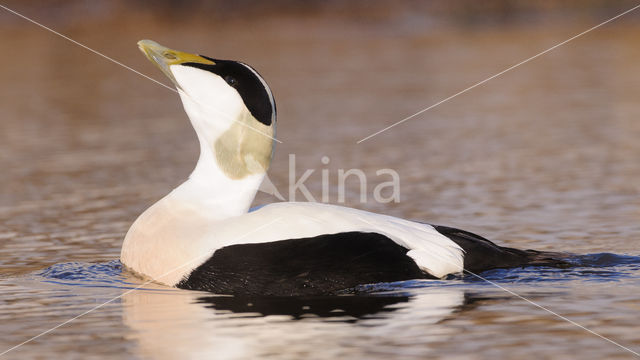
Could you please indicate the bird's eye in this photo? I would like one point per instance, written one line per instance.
(230, 80)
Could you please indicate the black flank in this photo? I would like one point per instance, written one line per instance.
(330, 264)
(324, 264)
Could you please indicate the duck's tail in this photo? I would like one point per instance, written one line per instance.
(482, 254)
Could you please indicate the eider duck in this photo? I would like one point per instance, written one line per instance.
(203, 236)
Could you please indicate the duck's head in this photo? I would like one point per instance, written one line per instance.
(229, 104)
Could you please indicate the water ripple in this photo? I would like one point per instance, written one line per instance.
(108, 274)
(588, 267)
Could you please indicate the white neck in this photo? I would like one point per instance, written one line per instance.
(217, 195)
(209, 189)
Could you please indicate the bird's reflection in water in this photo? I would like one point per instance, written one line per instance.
(352, 307)
(169, 324)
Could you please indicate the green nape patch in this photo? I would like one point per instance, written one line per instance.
(245, 149)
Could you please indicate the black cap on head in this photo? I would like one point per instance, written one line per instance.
(248, 83)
